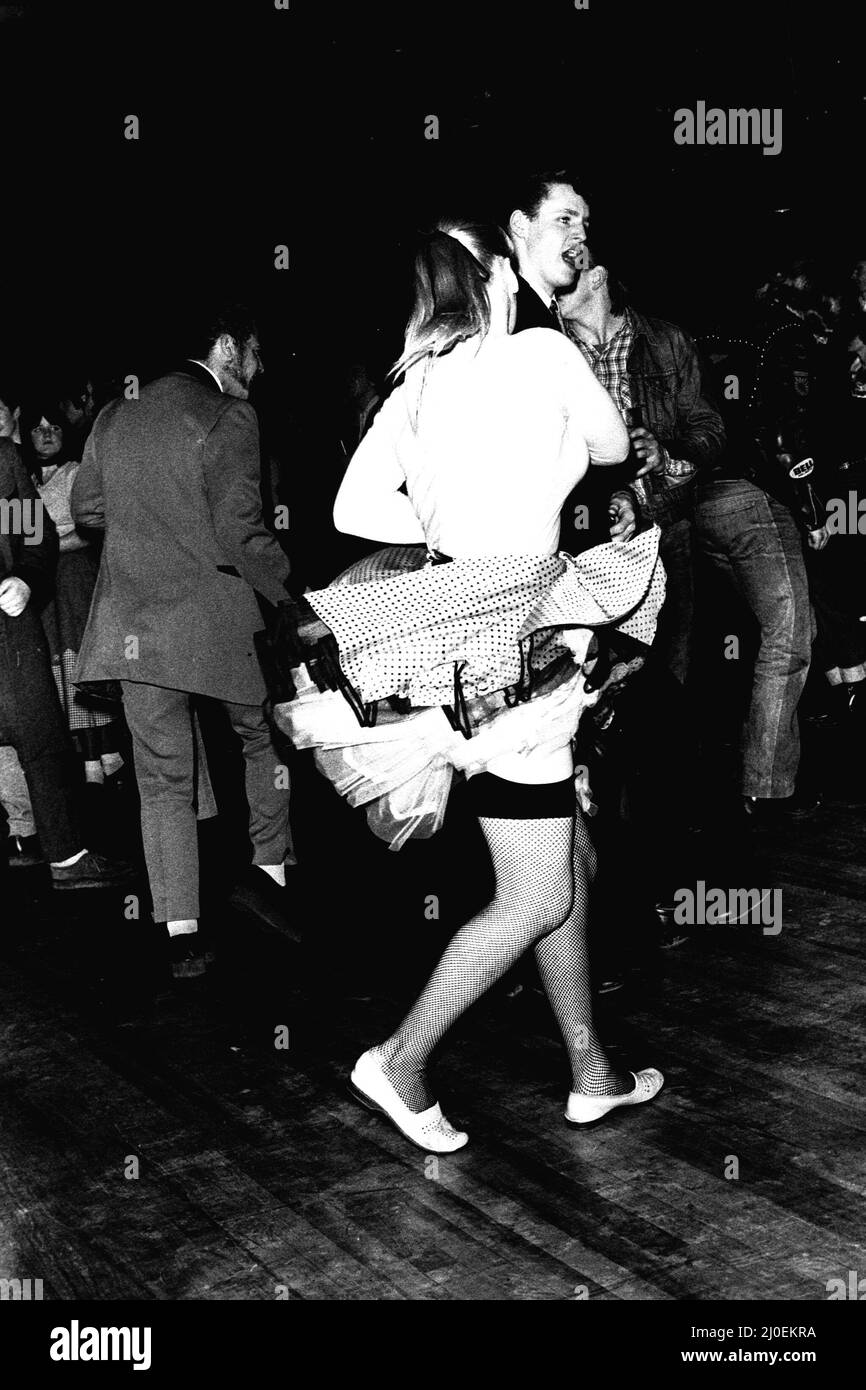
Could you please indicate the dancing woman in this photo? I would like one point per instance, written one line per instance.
(489, 433)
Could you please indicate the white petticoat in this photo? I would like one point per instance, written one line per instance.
(403, 771)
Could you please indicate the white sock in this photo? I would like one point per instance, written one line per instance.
(65, 863)
(183, 926)
(111, 763)
(276, 871)
(93, 771)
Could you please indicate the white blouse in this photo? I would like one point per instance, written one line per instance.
(501, 437)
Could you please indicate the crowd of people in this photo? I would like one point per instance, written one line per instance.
(542, 475)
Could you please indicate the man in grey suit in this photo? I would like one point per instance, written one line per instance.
(174, 480)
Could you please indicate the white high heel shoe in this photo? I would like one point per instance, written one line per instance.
(430, 1130)
(585, 1110)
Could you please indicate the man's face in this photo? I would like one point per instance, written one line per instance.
(7, 421)
(552, 239)
(243, 368)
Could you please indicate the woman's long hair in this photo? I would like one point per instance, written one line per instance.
(452, 268)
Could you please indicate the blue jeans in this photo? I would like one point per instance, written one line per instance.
(755, 542)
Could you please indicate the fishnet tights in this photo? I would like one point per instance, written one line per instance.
(543, 872)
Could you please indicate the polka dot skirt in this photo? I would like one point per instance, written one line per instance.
(403, 633)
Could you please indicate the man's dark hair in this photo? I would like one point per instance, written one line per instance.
(209, 324)
(531, 192)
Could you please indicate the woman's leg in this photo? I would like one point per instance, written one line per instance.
(532, 860)
(563, 965)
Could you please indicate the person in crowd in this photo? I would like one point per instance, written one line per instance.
(549, 224)
(652, 365)
(31, 720)
(10, 416)
(472, 455)
(22, 843)
(77, 403)
(837, 573)
(96, 734)
(173, 479)
(753, 518)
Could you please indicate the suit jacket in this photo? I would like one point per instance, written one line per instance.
(174, 480)
(532, 312)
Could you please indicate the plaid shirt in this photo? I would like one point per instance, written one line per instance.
(609, 364)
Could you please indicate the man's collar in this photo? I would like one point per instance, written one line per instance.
(203, 367)
(628, 325)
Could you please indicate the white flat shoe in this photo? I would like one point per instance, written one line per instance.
(585, 1110)
(430, 1130)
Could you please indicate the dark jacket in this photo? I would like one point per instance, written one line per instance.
(31, 558)
(174, 479)
(532, 312)
(768, 380)
(666, 381)
(29, 709)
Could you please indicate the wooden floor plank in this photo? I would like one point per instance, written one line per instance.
(260, 1178)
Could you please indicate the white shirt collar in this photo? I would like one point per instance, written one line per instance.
(207, 369)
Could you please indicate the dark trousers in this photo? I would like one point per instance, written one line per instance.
(32, 722)
(164, 750)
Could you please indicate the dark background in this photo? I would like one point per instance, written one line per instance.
(261, 127)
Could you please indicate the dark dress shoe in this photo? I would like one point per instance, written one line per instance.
(24, 851)
(189, 955)
(776, 811)
(258, 894)
(92, 871)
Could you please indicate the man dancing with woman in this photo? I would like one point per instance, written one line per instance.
(475, 661)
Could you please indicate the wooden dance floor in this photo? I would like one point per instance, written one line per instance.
(159, 1144)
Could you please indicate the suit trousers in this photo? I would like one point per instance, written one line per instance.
(14, 796)
(164, 751)
(32, 722)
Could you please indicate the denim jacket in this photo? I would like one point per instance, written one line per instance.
(666, 381)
